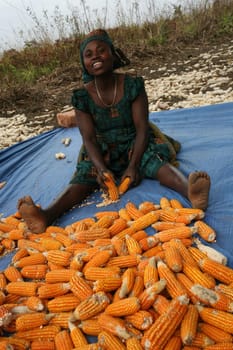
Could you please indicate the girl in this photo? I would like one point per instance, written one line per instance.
(111, 111)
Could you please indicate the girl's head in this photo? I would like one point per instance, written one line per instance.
(117, 56)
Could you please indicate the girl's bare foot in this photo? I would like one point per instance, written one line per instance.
(34, 216)
(198, 189)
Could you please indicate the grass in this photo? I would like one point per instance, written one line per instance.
(196, 21)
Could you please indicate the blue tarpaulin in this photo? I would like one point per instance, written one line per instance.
(206, 135)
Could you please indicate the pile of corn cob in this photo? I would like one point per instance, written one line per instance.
(106, 277)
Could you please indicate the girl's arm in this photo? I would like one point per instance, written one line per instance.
(140, 117)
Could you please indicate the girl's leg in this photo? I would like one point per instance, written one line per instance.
(195, 188)
(38, 219)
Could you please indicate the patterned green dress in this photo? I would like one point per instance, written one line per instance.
(116, 134)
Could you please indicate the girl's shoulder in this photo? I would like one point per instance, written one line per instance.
(133, 85)
(80, 99)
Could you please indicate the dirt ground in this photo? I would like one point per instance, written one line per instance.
(52, 93)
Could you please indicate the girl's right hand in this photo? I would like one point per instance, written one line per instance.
(67, 119)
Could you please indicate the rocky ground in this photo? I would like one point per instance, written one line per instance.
(175, 78)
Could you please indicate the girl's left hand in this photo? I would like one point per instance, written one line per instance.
(133, 173)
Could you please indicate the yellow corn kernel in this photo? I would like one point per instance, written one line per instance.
(107, 285)
(59, 257)
(32, 320)
(218, 318)
(97, 273)
(118, 225)
(34, 259)
(34, 303)
(77, 336)
(197, 276)
(137, 287)
(123, 213)
(123, 261)
(90, 326)
(144, 221)
(147, 206)
(99, 259)
(46, 332)
(61, 275)
(174, 343)
(160, 304)
(12, 274)
(92, 234)
(42, 344)
(173, 258)
(215, 333)
(124, 185)
(178, 232)
(164, 203)
(220, 272)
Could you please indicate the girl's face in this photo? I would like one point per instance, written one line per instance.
(98, 58)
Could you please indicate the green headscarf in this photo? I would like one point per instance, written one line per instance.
(120, 60)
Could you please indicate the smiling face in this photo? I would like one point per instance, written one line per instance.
(98, 58)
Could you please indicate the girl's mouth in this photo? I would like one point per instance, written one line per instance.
(97, 65)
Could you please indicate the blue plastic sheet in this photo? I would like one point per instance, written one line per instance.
(206, 135)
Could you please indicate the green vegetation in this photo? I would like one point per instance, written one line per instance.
(200, 21)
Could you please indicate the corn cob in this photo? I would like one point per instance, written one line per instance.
(63, 303)
(160, 304)
(80, 287)
(30, 244)
(120, 246)
(128, 278)
(139, 235)
(49, 243)
(107, 285)
(34, 259)
(202, 340)
(211, 253)
(174, 343)
(196, 254)
(42, 344)
(111, 187)
(113, 325)
(32, 320)
(93, 346)
(223, 288)
(124, 185)
(123, 214)
(217, 318)
(144, 221)
(184, 252)
(5, 345)
(8, 244)
(20, 253)
(5, 227)
(5, 316)
(173, 286)
(197, 276)
(53, 290)
(34, 303)
(187, 283)
(165, 326)
(155, 251)
(132, 245)
(188, 327)
(61, 319)
(124, 307)
(220, 272)
(147, 206)
(199, 213)
(133, 344)
(97, 273)
(15, 234)
(205, 231)
(138, 287)
(220, 346)
(118, 225)
(179, 232)
(58, 257)
(90, 326)
(127, 231)
(110, 341)
(148, 242)
(36, 272)
(186, 347)
(133, 211)
(148, 296)
(141, 319)
(99, 259)
(91, 234)
(213, 298)
(166, 225)
(110, 213)
(215, 333)
(22, 288)
(47, 332)
(164, 203)
(61, 275)
(12, 274)
(150, 273)
(2, 297)
(173, 259)
(63, 340)
(91, 306)
(123, 261)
